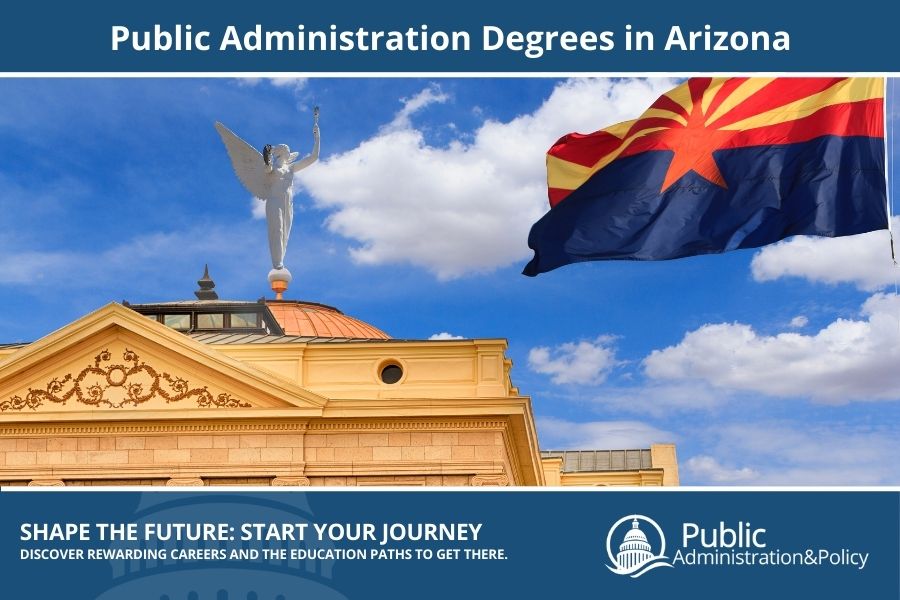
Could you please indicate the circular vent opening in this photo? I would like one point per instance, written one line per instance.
(391, 373)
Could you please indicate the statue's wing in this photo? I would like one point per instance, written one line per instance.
(247, 162)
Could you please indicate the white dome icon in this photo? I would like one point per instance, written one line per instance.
(634, 549)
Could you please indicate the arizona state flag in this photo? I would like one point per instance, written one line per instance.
(718, 164)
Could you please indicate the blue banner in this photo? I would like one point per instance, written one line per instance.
(448, 544)
(408, 37)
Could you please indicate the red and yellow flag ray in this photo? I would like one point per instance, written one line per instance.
(705, 115)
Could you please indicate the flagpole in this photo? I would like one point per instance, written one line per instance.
(887, 187)
(887, 172)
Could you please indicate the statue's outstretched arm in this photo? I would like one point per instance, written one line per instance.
(311, 157)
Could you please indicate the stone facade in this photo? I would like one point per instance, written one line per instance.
(116, 398)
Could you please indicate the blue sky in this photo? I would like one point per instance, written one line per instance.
(773, 366)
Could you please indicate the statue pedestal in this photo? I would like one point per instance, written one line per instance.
(279, 279)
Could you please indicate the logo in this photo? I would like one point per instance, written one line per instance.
(635, 556)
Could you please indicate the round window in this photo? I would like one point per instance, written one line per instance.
(391, 373)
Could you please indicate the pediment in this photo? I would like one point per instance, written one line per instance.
(115, 360)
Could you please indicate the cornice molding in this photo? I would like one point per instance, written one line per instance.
(286, 471)
(147, 471)
(256, 425)
(76, 429)
(413, 424)
(402, 468)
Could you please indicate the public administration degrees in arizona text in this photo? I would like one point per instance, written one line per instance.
(531, 44)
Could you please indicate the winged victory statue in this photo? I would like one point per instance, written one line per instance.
(269, 175)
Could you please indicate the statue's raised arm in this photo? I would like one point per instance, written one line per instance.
(314, 155)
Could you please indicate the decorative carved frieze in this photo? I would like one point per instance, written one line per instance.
(46, 483)
(290, 481)
(489, 480)
(115, 385)
(185, 482)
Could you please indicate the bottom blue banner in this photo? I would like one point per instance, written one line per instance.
(235, 545)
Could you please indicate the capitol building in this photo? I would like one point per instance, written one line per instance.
(279, 392)
(634, 549)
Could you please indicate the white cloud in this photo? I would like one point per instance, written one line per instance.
(847, 360)
(294, 83)
(444, 335)
(466, 207)
(559, 434)
(660, 399)
(584, 362)
(258, 208)
(789, 453)
(709, 470)
(31, 266)
(799, 322)
(142, 262)
(863, 260)
(430, 95)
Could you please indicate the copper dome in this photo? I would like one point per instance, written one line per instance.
(319, 320)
